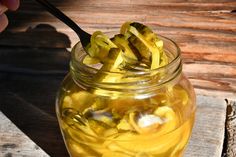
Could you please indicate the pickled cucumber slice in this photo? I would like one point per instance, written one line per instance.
(181, 94)
(113, 60)
(124, 45)
(100, 45)
(113, 63)
(148, 41)
(82, 100)
(90, 60)
(124, 125)
(137, 41)
(142, 49)
(67, 102)
(170, 119)
(125, 28)
(100, 104)
(99, 127)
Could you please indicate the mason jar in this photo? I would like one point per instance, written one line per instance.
(147, 114)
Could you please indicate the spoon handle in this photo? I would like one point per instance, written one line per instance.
(84, 36)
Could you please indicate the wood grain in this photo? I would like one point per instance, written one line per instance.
(34, 56)
(230, 129)
(208, 133)
(28, 100)
(13, 142)
(204, 30)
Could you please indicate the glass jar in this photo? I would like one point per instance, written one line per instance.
(133, 114)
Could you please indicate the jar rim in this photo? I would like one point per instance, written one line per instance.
(78, 64)
(137, 81)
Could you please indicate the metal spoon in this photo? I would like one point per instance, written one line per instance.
(84, 36)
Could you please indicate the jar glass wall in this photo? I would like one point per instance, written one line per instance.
(132, 114)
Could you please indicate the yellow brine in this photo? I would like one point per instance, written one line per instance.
(126, 97)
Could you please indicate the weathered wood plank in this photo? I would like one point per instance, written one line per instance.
(171, 5)
(215, 93)
(231, 129)
(30, 104)
(208, 133)
(213, 69)
(172, 19)
(154, 12)
(205, 31)
(220, 84)
(15, 143)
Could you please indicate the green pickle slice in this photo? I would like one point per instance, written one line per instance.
(137, 44)
(125, 46)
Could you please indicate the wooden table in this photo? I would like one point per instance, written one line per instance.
(34, 52)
